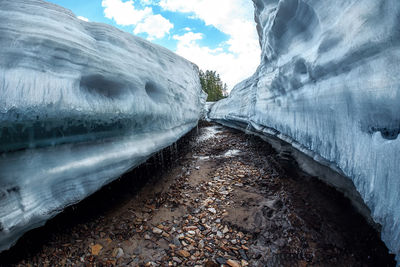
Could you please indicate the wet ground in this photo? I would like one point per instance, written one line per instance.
(222, 198)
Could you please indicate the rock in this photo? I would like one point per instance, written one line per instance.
(212, 210)
(183, 253)
(177, 260)
(225, 230)
(243, 254)
(118, 253)
(96, 249)
(147, 237)
(157, 231)
(176, 242)
(233, 263)
(164, 234)
(244, 263)
(181, 236)
(210, 264)
(220, 260)
(201, 244)
(190, 228)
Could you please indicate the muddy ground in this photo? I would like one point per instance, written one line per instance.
(222, 198)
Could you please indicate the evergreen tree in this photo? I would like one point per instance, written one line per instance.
(211, 83)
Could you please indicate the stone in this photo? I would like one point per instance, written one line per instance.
(201, 244)
(176, 242)
(177, 260)
(233, 263)
(183, 253)
(181, 236)
(211, 264)
(220, 260)
(95, 249)
(212, 210)
(118, 253)
(157, 231)
(243, 254)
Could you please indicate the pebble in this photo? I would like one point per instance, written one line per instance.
(176, 242)
(225, 230)
(157, 231)
(184, 253)
(219, 234)
(201, 244)
(244, 263)
(243, 254)
(233, 263)
(191, 232)
(212, 210)
(211, 264)
(220, 260)
(96, 249)
(181, 236)
(177, 260)
(118, 253)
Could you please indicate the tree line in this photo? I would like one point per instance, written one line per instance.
(212, 85)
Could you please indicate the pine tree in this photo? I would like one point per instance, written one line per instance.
(211, 83)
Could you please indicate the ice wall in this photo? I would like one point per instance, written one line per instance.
(80, 104)
(329, 84)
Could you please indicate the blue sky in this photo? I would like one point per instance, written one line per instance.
(215, 34)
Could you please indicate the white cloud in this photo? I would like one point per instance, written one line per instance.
(126, 14)
(83, 18)
(156, 26)
(188, 38)
(232, 17)
(232, 68)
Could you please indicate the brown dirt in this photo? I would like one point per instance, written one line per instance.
(208, 208)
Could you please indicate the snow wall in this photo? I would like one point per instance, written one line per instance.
(329, 84)
(80, 104)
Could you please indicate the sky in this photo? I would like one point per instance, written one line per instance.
(216, 35)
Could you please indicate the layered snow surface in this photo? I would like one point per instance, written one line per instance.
(80, 104)
(329, 84)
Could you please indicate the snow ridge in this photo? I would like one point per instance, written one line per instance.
(328, 83)
(80, 104)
